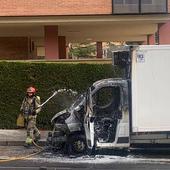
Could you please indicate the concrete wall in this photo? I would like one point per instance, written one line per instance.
(54, 7)
(14, 48)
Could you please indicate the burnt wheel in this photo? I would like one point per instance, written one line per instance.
(77, 144)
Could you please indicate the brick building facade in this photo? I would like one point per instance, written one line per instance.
(36, 29)
(54, 7)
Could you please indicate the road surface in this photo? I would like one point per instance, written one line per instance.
(50, 161)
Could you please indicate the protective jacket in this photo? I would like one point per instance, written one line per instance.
(30, 106)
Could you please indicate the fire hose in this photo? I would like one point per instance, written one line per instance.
(41, 149)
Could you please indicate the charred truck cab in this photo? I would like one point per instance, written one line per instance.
(121, 113)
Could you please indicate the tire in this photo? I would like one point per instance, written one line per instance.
(77, 144)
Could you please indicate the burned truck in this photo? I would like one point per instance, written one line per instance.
(121, 113)
(73, 128)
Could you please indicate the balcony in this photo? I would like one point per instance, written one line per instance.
(140, 6)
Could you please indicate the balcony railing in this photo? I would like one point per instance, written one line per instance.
(140, 6)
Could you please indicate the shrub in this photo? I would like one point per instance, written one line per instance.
(15, 77)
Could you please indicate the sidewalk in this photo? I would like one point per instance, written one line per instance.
(17, 137)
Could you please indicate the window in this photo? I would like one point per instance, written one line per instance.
(118, 1)
(131, 2)
(125, 6)
(106, 97)
(153, 6)
(146, 1)
(126, 2)
(139, 6)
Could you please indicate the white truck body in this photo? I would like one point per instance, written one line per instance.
(151, 89)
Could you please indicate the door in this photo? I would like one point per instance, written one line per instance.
(106, 107)
(89, 120)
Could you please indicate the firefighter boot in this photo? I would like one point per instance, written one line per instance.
(28, 142)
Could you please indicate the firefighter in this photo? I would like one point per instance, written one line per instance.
(30, 108)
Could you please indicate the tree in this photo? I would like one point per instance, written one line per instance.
(82, 50)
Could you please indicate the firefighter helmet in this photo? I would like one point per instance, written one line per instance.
(31, 90)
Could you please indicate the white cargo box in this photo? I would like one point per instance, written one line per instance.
(151, 89)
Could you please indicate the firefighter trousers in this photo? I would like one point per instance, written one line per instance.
(32, 131)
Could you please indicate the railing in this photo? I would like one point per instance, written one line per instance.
(140, 6)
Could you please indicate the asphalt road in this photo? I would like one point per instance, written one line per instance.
(30, 165)
(50, 161)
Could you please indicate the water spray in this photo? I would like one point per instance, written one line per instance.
(74, 93)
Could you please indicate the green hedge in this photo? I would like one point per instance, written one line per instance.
(15, 77)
